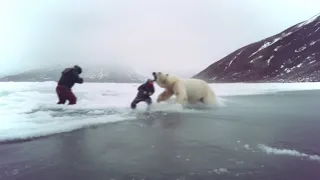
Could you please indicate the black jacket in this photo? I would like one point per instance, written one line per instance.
(69, 77)
(146, 87)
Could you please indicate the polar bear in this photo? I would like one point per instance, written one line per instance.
(187, 91)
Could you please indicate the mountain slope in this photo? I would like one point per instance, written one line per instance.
(290, 56)
(95, 73)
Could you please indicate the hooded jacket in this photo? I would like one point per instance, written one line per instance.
(146, 87)
(69, 77)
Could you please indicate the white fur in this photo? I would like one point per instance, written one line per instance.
(189, 91)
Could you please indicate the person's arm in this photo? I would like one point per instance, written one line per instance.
(151, 91)
(77, 79)
(80, 80)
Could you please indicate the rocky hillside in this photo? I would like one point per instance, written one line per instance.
(290, 56)
(110, 74)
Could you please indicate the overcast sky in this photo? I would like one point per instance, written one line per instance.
(162, 35)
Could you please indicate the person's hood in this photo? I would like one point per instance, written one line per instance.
(77, 69)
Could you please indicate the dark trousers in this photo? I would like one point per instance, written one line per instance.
(64, 94)
(138, 99)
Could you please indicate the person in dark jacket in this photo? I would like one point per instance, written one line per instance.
(144, 92)
(69, 77)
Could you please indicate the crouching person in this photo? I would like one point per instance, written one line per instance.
(144, 92)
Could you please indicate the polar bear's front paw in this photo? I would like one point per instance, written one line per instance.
(164, 96)
(160, 98)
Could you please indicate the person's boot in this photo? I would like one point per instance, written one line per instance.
(133, 106)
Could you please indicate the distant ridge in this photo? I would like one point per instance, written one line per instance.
(293, 55)
(93, 73)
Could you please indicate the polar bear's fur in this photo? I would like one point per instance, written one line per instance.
(187, 91)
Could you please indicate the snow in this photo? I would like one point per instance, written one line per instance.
(309, 20)
(213, 78)
(290, 69)
(267, 44)
(299, 65)
(29, 109)
(235, 57)
(285, 34)
(312, 61)
(301, 49)
(277, 48)
(255, 59)
(314, 42)
(268, 61)
(312, 19)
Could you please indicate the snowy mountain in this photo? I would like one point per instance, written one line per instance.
(95, 73)
(290, 56)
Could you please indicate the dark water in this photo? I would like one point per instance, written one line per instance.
(228, 143)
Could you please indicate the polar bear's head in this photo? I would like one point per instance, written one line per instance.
(164, 80)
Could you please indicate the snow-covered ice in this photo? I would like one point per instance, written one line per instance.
(29, 109)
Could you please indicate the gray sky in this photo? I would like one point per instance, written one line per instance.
(179, 36)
